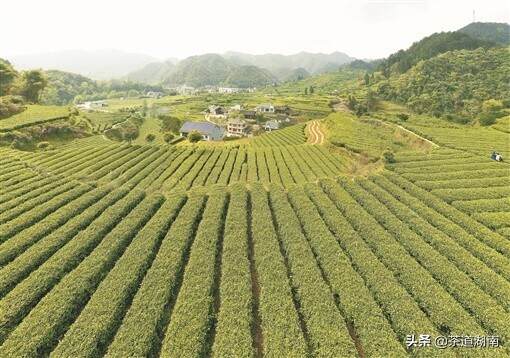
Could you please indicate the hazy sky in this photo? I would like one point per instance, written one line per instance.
(165, 28)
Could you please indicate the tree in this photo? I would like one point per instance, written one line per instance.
(311, 89)
(371, 101)
(367, 79)
(168, 137)
(7, 76)
(150, 138)
(31, 84)
(306, 91)
(388, 156)
(194, 137)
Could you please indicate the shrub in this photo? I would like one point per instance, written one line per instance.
(388, 156)
(487, 119)
(150, 137)
(403, 116)
(168, 137)
(194, 137)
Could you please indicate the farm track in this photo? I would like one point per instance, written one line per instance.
(316, 136)
(251, 251)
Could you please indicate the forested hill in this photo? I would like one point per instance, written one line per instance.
(214, 70)
(429, 47)
(455, 83)
(249, 76)
(488, 31)
(153, 73)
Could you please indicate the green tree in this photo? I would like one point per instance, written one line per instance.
(311, 89)
(306, 91)
(7, 76)
(367, 79)
(168, 137)
(194, 137)
(150, 138)
(31, 84)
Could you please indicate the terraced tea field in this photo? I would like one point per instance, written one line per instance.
(260, 249)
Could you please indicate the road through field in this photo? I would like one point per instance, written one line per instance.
(315, 134)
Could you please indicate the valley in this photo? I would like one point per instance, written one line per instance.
(344, 214)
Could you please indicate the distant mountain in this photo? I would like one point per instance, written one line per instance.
(488, 31)
(311, 62)
(152, 73)
(290, 75)
(429, 47)
(249, 76)
(197, 71)
(215, 70)
(101, 65)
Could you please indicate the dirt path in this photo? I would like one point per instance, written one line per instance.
(315, 134)
(419, 136)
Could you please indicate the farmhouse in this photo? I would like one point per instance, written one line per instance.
(265, 108)
(154, 94)
(215, 112)
(236, 127)
(271, 125)
(208, 130)
(249, 114)
(282, 110)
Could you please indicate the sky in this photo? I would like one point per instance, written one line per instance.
(366, 29)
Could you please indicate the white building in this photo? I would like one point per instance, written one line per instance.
(228, 90)
(236, 127)
(265, 108)
(92, 105)
(236, 107)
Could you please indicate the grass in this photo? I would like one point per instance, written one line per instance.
(32, 115)
(152, 126)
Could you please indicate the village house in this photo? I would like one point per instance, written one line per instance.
(154, 94)
(215, 112)
(249, 114)
(92, 105)
(236, 127)
(185, 90)
(236, 107)
(208, 130)
(228, 90)
(271, 125)
(265, 108)
(282, 110)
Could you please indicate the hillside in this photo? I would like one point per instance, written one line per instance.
(297, 74)
(311, 62)
(152, 73)
(488, 31)
(456, 82)
(109, 249)
(429, 47)
(197, 71)
(249, 76)
(63, 87)
(215, 70)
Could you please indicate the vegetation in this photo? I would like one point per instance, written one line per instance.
(488, 31)
(429, 47)
(455, 83)
(394, 223)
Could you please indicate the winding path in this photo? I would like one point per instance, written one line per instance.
(315, 135)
